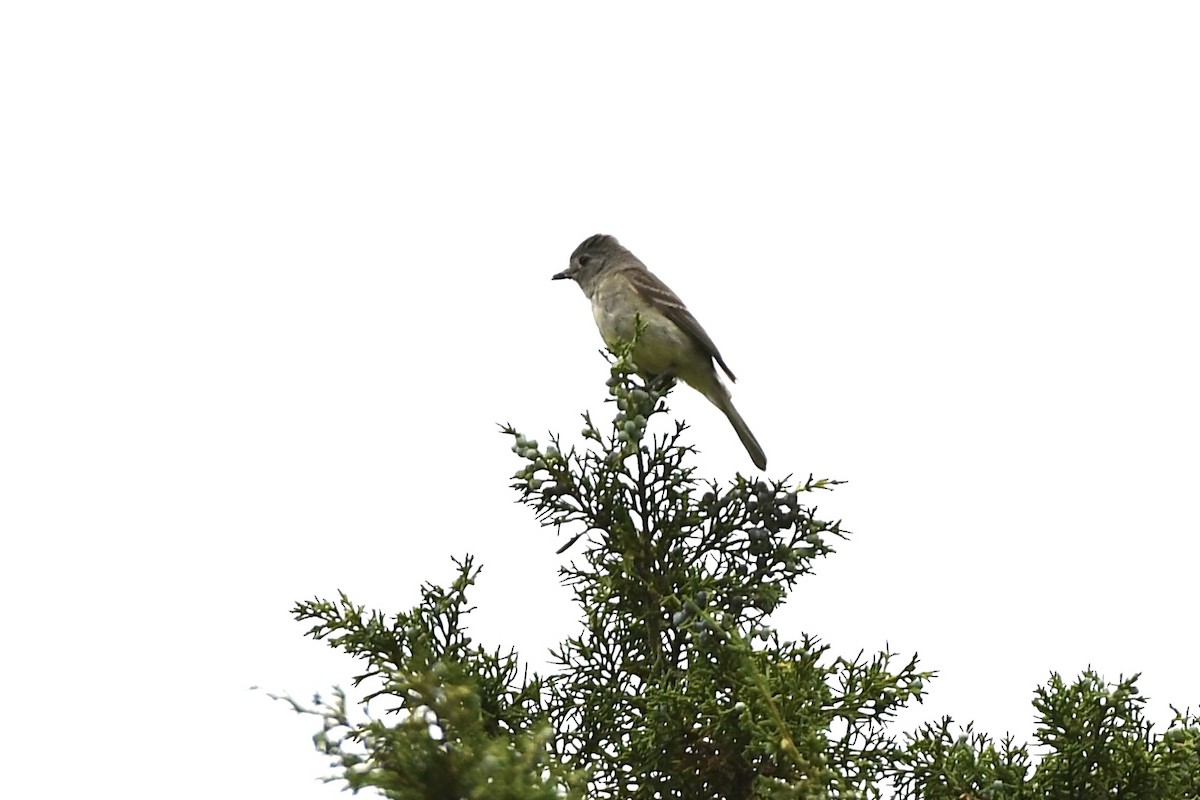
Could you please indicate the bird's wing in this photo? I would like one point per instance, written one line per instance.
(656, 293)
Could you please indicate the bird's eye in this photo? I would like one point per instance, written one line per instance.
(584, 260)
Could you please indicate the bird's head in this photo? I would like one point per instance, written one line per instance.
(590, 258)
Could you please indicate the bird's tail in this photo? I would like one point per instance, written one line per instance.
(743, 431)
(709, 385)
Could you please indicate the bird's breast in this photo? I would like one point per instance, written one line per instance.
(661, 346)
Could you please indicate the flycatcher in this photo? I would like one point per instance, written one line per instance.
(672, 345)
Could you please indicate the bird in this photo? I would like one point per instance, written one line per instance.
(672, 345)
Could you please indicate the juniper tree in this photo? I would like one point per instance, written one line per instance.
(1095, 743)
(676, 685)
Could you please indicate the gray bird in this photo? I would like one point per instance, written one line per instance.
(672, 344)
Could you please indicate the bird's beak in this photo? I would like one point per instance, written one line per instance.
(566, 273)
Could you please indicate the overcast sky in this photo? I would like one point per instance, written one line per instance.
(273, 272)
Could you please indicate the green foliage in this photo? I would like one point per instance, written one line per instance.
(1175, 757)
(1095, 740)
(462, 722)
(676, 684)
(942, 765)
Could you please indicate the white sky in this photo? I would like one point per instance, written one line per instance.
(273, 272)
